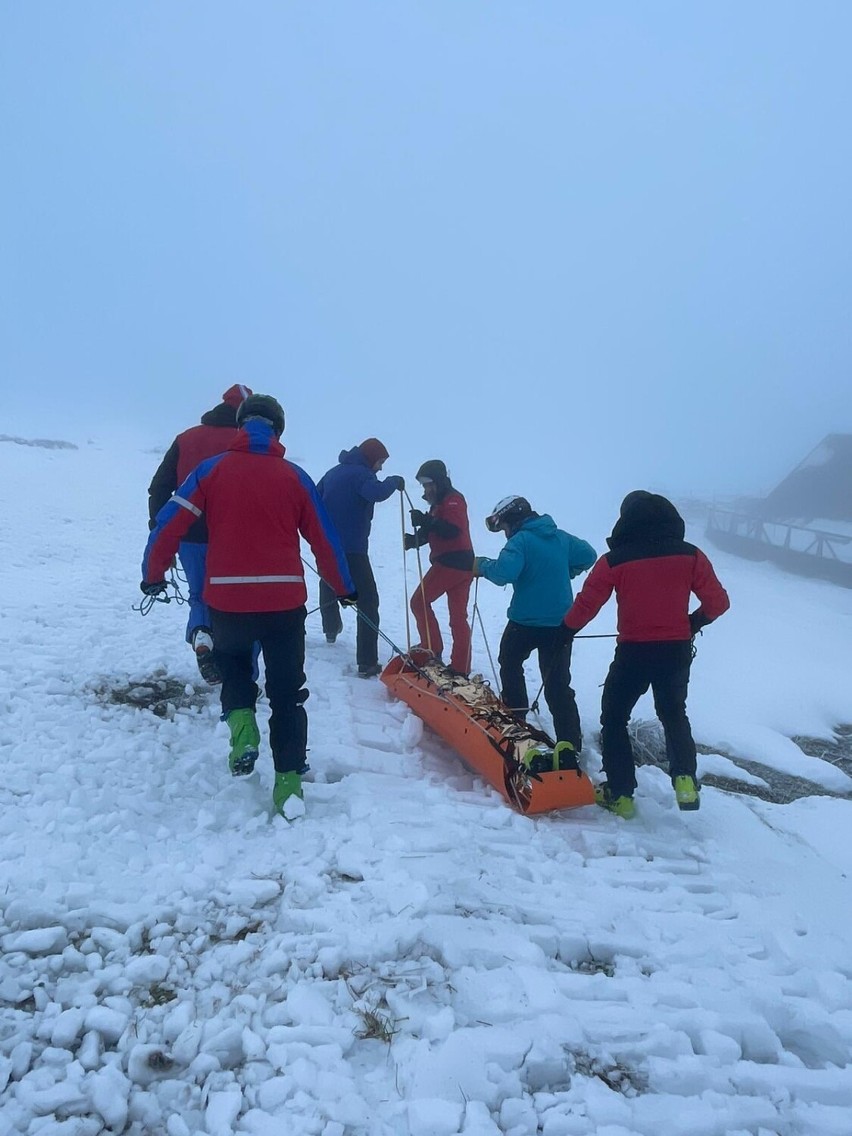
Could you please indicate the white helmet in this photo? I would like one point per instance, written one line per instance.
(510, 511)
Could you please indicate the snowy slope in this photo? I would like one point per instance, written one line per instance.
(176, 961)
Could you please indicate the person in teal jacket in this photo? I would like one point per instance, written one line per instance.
(539, 561)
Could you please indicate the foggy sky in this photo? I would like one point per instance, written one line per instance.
(601, 245)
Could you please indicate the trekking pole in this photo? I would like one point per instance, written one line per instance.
(404, 571)
(478, 615)
(421, 586)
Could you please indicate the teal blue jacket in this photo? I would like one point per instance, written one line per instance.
(539, 561)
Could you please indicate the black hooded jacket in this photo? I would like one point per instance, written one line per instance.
(653, 572)
(217, 430)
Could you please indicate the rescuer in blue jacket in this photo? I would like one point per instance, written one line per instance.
(349, 492)
(539, 560)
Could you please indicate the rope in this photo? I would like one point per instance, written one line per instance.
(404, 570)
(478, 615)
(422, 589)
(176, 579)
(147, 602)
(360, 614)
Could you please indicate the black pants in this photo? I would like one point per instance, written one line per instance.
(367, 638)
(281, 635)
(554, 662)
(664, 667)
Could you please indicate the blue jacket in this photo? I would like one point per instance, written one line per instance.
(349, 491)
(539, 561)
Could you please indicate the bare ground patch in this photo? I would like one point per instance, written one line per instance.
(159, 693)
(649, 748)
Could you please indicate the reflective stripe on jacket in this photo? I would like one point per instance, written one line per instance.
(256, 506)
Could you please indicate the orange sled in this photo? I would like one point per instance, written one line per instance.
(472, 719)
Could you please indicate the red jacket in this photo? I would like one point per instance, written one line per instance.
(217, 430)
(449, 539)
(652, 593)
(256, 505)
(653, 571)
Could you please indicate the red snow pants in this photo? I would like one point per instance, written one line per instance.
(455, 585)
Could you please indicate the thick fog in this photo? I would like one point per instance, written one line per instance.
(556, 244)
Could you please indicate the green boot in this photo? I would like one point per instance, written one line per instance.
(245, 742)
(537, 760)
(622, 806)
(286, 787)
(686, 793)
(565, 756)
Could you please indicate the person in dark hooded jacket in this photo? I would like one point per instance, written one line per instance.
(653, 572)
(349, 492)
(213, 436)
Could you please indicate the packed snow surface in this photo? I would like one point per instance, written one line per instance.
(411, 956)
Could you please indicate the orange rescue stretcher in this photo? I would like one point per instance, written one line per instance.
(468, 715)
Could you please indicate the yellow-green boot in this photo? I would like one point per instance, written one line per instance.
(622, 806)
(286, 791)
(245, 742)
(686, 793)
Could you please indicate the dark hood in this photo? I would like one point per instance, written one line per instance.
(221, 415)
(646, 517)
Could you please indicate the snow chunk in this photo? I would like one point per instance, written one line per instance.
(185, 1048)
(253, 893)
(226, 1045)
(38, 941)
(308, 1007)
(294, 807)
(432, 1116)
(66, 1027)
(147, 969)
(222, 1111)
(25, 915)
(148, 1063)
(47, 1099)
(109, 1090)
(411, 733)
(110, 1024)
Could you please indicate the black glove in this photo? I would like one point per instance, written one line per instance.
(418, 518)
(153, 589)
(566, 634)
(697, 620)
(348, 601)
(409, 541)
(400, 482)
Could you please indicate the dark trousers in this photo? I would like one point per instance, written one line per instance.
(281, 635)
(664, 667)
(367, 637)
(554, 662)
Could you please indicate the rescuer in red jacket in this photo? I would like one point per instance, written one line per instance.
(257, 505)
(653, 572)
(446, 530)
(217, 430)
